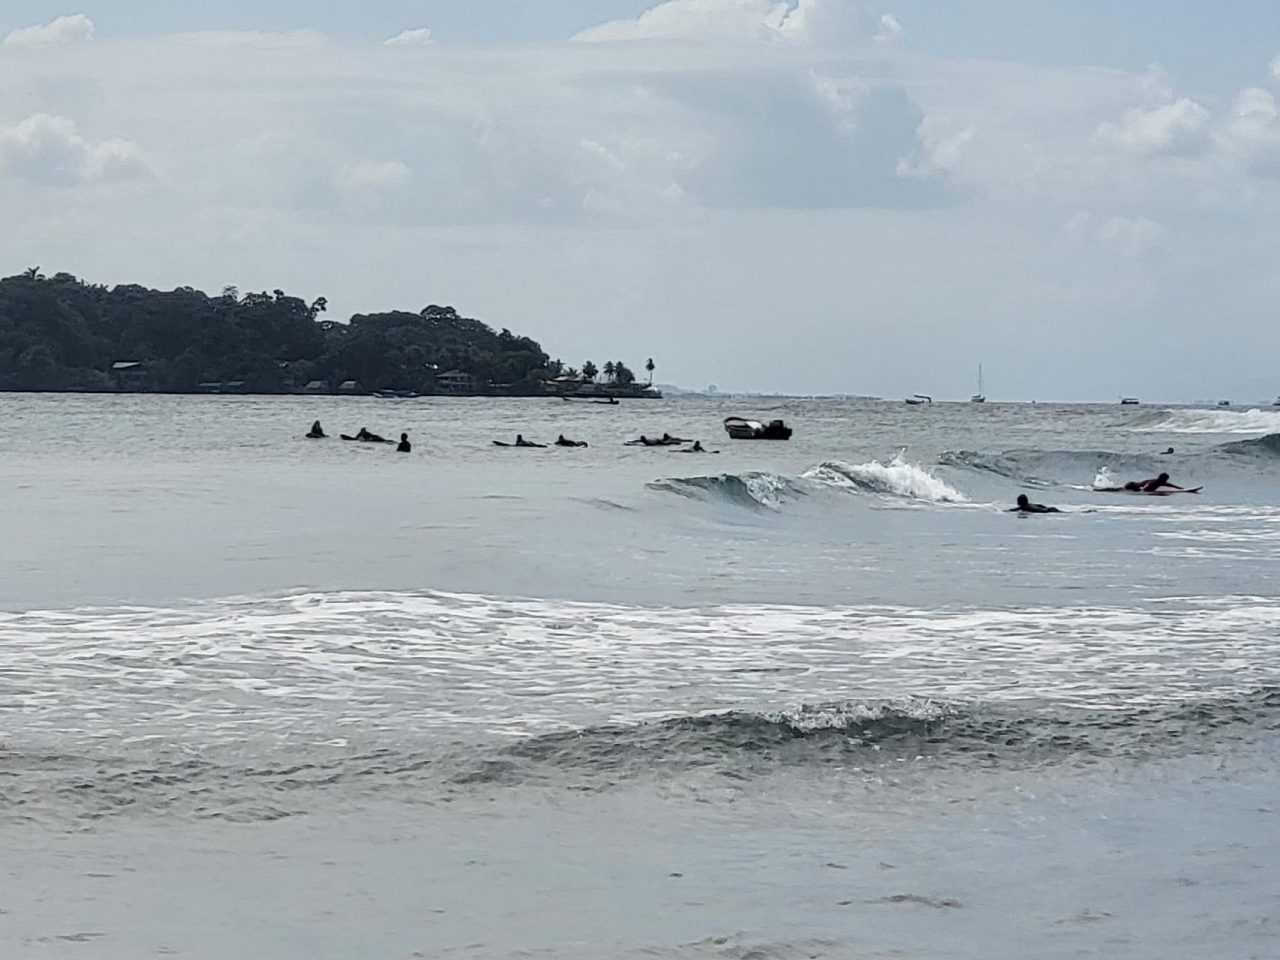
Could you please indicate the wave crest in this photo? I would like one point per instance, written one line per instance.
(897, 478)
(1268, 446)
(1208, 421)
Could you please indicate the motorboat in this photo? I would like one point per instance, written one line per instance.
(1224, 403)
(918, 398)
(1128, 401)
(739, 428)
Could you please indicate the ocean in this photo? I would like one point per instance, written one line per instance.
(287, 699)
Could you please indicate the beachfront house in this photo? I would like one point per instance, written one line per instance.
(454, 381)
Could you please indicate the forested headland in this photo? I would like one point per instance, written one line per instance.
(59, 333)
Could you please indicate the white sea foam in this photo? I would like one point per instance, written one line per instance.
(1214, 421)
(317, 666)
(898, 478)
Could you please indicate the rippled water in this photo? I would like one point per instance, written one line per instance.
(622, 701)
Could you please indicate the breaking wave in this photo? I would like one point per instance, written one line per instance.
(1207, 421)
(897, 478)
(735, 745)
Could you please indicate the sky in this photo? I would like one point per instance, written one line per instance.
(801, 196)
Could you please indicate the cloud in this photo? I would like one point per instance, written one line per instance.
(819, 22)
(417, 37)
(375, 175)
(49, 150)
(1130, 236)
(890, 30)
(76, 28)
(1250, 135)
(1180, 128)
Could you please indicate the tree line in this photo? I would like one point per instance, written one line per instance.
(60, 333)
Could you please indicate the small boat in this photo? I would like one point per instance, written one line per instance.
(1128, 401)
(918, 398)
(1224, 403)
(742, 429)
(1276, 402)
(980, 396)
(591, 398)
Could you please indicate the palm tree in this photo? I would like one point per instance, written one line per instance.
(609, 369)
(33, 273)
(648, 365)
(589, 370)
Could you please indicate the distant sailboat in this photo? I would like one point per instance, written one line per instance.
(980, 396)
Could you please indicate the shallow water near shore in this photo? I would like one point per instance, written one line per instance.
(286, 698)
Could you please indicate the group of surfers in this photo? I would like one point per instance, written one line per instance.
(1156, 484)
(363, 435)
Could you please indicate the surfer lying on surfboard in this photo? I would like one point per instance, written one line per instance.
(1158, 485)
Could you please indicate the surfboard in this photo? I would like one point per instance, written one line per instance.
(1146, 493)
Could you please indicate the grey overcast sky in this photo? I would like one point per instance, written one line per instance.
(783, 195)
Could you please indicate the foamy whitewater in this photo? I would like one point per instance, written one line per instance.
(278, 698)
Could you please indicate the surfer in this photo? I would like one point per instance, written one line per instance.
(522, 442)
(364, 436)
(562, 442)
(1153, 485)
(404, 446)
(316, 432)
(1026, 506)
(697, 448)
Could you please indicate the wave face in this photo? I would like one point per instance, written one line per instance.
(897, 478)
(1208, 421)
(1049, 467)
(1267, 447)
(735, 747)
(755, 489)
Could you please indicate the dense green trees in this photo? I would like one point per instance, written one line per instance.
(59, 333)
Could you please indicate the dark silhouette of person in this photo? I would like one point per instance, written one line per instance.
(522, 442)
(1026, 506)
(561, 441)
(1170, 450)
(1153, 485)
(404, 446)
(368, 437)
(316, 432)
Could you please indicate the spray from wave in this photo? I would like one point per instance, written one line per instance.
(1208, 421)
(897, 478)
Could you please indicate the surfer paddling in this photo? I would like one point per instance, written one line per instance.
(1153, 485)
(1026, 506)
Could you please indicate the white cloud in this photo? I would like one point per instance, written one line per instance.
(1275, 68)
(375, 175)
(824, 22)
(890, 30)
(1178, 128)
(417, 37)
(76, 28)
(1250, 134)
(49, 150)
(1130, 236)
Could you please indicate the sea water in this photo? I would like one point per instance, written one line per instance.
(270, 697)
